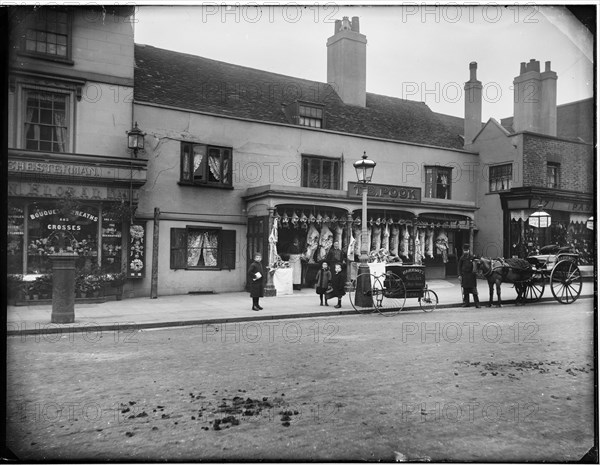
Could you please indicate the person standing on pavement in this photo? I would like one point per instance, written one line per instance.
(256, 279)
(467, 277)
(323, 279)
(337, 283)
(335, 254)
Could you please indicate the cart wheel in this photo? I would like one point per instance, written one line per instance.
(389, 294)
(361, 293)
(429, 301)
(534, 288)
(565, 282)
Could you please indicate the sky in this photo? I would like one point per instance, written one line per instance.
(416, 52)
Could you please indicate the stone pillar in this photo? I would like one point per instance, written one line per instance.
(270, 290)
(63, 287)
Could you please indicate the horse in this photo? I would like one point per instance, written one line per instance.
(498, 270)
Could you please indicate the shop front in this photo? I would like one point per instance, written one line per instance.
(567, 225)
(71, 206)
(301, 230)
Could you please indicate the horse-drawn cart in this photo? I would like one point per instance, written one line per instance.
(386, 287)
(556, 266)
(562, 273)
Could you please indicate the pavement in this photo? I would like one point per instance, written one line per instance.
(189, 310)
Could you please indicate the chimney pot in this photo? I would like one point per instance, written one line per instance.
(337, 26)
(473, 70)
(523, 68)
(547, 66)
(355, 24)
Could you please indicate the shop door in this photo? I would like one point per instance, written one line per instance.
(258, 239)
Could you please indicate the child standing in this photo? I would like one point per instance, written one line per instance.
(323, 278)
(337, 283)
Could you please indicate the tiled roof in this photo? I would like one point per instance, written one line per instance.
(574, 120)
(195, 83)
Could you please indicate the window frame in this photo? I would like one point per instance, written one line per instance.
(186, 173)
(310, 107)
(496, 179)
(35, 24)
(435, 170)
(305, 174)
(556, 180)
(226, 248)
(25, 89)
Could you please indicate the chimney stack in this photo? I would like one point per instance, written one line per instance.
(535, 99)
(548, 110)
(473, 89)
(347, 62)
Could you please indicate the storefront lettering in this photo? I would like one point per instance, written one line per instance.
(385, 191)
(42, 213)
(581, 207)
(54, 168)
(64, 227)
(75, 192)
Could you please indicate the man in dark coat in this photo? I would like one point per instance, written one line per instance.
(467, 277)
(256, 279)
(335, 254)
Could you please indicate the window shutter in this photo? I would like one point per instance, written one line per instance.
(178, 248)
(228, 249)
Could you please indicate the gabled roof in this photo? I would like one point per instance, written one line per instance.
(190, 82)
(574, 120)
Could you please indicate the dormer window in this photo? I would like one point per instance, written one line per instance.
(310, 115)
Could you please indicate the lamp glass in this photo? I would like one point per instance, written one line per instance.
(135, 138)
(540, 219)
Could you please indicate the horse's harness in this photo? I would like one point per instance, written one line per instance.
(493, 268)
(502, 264)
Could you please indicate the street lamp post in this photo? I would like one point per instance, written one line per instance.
(364, 172)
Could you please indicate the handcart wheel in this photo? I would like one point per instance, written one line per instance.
(566, 282)
(428, 301)
(361, 293)
(390, 294)
(534, 288)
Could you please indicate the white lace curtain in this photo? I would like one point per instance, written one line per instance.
(203, 248)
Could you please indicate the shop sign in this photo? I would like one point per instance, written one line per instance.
(48, 190)
(136, 250)
(45, 168)
(385, 192)
(54, 169)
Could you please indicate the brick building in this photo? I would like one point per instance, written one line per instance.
(542, 157)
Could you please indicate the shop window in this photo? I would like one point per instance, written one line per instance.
(205, 165)
(202, 248)
(14, 246)
(438, 182)
(51, 229)
(320, 172)
(47, 34)
(553, 175)
(46, 121)
(500, 177)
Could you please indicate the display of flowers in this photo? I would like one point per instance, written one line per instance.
(40, 247)
(111, 250)
(83, 247)
(136, 265)
(136, 231)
